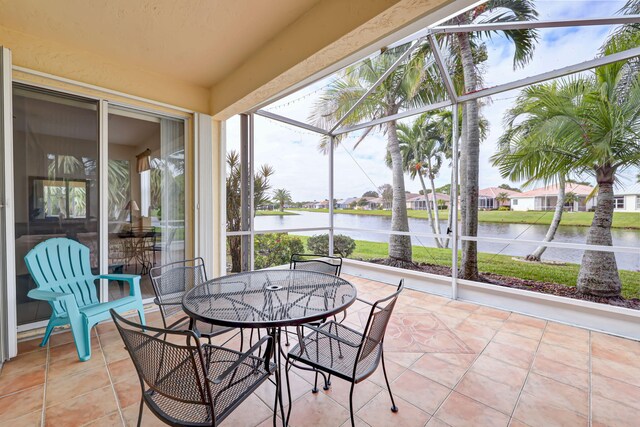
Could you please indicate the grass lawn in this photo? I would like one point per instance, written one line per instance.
(275, 213)
(566, 274)
(583, 219)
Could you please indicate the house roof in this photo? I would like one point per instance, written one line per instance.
(629, 190)
(494, 191)
(552, 190)
(420, 198)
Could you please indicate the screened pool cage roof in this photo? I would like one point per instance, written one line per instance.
(428, 35)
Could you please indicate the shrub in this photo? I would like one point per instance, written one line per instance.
(342, 245)
(275, 249)
(504, 208)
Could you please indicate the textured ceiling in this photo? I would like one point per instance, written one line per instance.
(198, 41)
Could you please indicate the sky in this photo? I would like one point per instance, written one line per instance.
(303, 170)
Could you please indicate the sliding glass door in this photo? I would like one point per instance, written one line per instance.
(146, 196)
(55, 155)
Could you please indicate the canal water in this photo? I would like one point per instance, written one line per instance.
(566, 234)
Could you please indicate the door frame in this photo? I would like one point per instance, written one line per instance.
(9, 338)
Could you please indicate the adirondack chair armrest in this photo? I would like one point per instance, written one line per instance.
(132, 279)
(48, 295)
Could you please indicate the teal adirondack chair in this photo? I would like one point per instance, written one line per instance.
(62, 272)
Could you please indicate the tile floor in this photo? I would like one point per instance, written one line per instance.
(451, 363)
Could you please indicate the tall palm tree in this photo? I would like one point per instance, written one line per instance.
(422, 155)
(592, 128)
(405, 87)
(281, 196)
(529, 143)
(462, 47)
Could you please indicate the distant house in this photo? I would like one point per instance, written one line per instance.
(321, 205)
(627, 199)
(545, 198)
(487, 197)
(419, 202)
(346, 203)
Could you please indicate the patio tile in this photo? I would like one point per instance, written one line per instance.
(267, 391)
(128, 392)
(560, 372)
(114, 352)
(64, 337)
(443, 372)
(494, 394)
(572, 343)
(130, 416)
(499, 371)
(28, 346)
(486, 321)
(517, 341)
(558, 394)
(511, 355)
(571, 331)
(468, 327)
(538, 411)
(30, 420)
(522, 329)
(474, 343)
(82, 409)
(527, 320)
(435, 422)
(70, 386)
(63, 351)
(420, 391)
(605, 412)
(362, 393)
(378, 413)
(11, 383)
(619, 371)
(111, 420)
(317, 409)
(25, 363)
(122, 369)
(402, 358)
(21, 403)
(393, 371)
(251, 412)
(493, 312)
(70, 365)
(421, 333)
(573, 358)
(618, 391)
(459, 410)
(463, 305)
(450, 321)
(615, 349)
(358, 422)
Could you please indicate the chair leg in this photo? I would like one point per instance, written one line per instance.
(140, 412)
(315, 384)
(47, 334)
(82, 337)
(286, 335)
(353, 421)
(141, 315)
(394, 408)
(286, 373)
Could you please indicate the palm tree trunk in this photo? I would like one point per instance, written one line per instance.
(450, 218)
(469, 162)
(399, 246)
(436, 214)
(557, 216)
(598, 271)
(429, 214)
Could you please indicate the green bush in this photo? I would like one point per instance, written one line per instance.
(504, 208)
(342, 245)
(276, 249)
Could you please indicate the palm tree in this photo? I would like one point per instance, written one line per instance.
(462, 46)
(405, 87)
(592, 128)
(422, 155)
(282, 196)
(502, 198)
(528, 143)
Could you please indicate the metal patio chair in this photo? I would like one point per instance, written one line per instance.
(170, 282)
(344, 352)
(186, 383)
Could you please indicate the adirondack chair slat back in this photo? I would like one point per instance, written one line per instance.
(62, 265)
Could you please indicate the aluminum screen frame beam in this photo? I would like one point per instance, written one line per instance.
(378, 82)
(292, 122)
(446, 77)
(533, 25)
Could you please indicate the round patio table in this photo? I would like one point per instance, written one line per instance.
(269, 299)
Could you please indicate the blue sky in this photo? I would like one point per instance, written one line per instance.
(303, 170)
